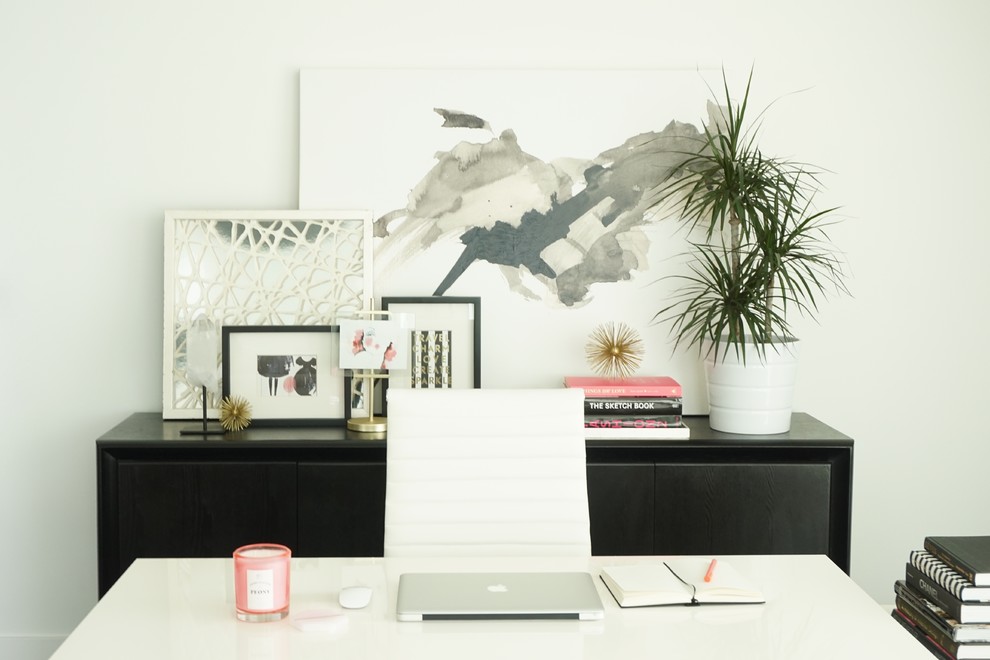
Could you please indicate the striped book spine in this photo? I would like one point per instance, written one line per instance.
(939, 571)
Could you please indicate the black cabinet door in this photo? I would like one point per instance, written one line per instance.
(341, 509)
(203, 509)
(620, 502)
(742, 508)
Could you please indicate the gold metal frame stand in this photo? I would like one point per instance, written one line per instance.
(371, 423)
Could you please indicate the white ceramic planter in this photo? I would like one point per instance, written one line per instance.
(754, 398)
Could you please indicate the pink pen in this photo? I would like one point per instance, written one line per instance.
(710, 571)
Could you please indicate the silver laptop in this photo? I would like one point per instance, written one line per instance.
(544, 595)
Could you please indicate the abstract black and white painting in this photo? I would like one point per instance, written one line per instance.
(529, 187)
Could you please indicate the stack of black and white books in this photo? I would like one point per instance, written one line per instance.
(944, 598)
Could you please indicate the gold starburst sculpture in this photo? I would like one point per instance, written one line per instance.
(614, 350)
(235, 413)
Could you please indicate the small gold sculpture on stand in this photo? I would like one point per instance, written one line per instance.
(614, 350)
(235, 413)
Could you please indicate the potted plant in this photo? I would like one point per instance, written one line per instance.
(759, 251)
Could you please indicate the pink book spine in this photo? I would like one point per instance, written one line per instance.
(660, 386)
(666, 392)
(601, 387)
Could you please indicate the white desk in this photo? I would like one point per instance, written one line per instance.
(183, 609)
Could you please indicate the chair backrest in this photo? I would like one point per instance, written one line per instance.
(486, 472)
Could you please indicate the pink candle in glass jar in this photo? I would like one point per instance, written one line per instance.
(261, 582)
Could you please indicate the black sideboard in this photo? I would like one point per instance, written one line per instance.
(321, 491)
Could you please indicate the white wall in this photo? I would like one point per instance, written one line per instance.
(113, 110)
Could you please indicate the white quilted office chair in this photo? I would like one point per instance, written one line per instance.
(486, 472)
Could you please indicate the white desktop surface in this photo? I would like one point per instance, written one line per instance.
(184, 609)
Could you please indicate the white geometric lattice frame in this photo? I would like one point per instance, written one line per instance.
(257, 268)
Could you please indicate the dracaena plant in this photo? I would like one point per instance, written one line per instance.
(759, 249)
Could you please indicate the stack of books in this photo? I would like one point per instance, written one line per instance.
(944, 598)
(642, 407)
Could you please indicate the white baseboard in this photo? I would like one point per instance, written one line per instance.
(28, 648)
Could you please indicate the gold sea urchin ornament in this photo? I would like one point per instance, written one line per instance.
(235, 413)
(614, 350)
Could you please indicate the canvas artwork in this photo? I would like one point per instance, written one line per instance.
(530, 188)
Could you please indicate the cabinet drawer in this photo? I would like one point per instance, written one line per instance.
(743, 508)
(203, 509)
(341, 509)
(620, 502)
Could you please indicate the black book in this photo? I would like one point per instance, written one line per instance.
(937, 619)
(954, 649)
(920, 635)
(970, 555)
(632, 406)
(931, 590)
(947, 576)
(637, 422)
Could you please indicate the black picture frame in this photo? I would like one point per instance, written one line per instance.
(242, 345)
(461, 315)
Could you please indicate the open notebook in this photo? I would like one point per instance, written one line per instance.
(678, 581)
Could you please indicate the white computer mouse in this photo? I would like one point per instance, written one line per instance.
(354, 598)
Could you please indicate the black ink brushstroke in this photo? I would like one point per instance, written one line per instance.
(629, 173)
(507, 245)
(615, 186)
(458, 119)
